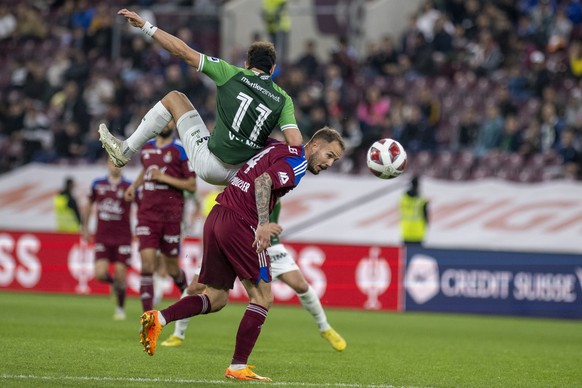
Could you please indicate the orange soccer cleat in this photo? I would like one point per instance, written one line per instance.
(244, 374)
(150, 331)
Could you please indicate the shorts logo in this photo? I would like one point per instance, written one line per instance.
(283, 177)
(213, 59)
(172, 238)
(142, 231)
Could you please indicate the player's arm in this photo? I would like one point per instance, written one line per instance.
(293, 136)
(86, 216)
(262, 197)
(172, 44)
(129, 194)
(188, 183)
(288, 124)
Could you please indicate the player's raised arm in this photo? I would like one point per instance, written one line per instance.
(293, 137)
(172, 44)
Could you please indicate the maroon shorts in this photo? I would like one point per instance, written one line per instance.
(228, 251)
(165, 236)
(114, 253)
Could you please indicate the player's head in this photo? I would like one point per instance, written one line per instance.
(262, 56)
(323, 149)
(167, 131)
(114, 172)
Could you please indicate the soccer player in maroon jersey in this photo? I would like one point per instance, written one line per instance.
(113, 235)
(164, 177)
(235, 238)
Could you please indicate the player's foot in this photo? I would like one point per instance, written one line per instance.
(150, 331)
(113, 146)
(173, 341)
(335, 340)
(119, 315)
(244, 374)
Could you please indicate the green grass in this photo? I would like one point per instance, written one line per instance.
(71, 341)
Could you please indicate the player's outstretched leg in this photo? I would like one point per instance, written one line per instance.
(121, 151)
(151, 328)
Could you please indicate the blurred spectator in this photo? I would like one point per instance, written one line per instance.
(385, 60)
(308, 61)
(490, 131)
(68, 142)
(575, 58)
(569, 152)
(573, 111)
(510, 139)
(466, 137)
(416, 134)
(551, 126)
(532, 140)
(7, 22)
(68, 217)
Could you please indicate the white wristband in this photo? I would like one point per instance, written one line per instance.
(149, 29)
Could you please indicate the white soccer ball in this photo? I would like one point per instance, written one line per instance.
(386, 158)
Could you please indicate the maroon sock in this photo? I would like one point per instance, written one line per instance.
(180, 281)
(120, 292)
(248, 332)
(187, 307)
(146, 291)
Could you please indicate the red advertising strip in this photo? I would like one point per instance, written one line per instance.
(366, 277)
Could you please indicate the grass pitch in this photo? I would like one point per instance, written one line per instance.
(71, 341)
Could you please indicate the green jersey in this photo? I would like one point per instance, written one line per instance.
(249, 105)
(274, 217)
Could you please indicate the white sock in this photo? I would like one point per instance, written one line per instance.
(152, 124)
(161, 319)
(182, 325)
(311, 303)
(237, 366)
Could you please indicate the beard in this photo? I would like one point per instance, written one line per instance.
(166, 134)
(311, 165)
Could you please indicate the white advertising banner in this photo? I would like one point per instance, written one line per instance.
(486, 214)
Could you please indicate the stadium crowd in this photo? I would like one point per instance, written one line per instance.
(471, 88)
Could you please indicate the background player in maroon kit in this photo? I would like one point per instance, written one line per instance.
(113, 234)
(164, 177)
(236, 235)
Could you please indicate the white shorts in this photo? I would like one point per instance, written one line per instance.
(194, 136)
(281, 261)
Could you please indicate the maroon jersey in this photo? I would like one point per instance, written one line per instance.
(113, 212)
(285, 164)
(160, 201)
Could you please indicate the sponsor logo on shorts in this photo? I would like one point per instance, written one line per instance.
(124, 249)
(174, 238)
(143, 231)
(278, 256)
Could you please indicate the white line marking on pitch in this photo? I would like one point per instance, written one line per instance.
(179, 381)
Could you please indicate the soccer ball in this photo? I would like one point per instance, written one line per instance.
(386, 158)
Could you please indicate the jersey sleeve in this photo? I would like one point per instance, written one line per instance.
(287, 117)
(218, 70)
(92, 194)
(286, 173)
(187, 171)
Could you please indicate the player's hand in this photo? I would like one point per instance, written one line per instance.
(129, 194)
(275, 229)
(156, 175)
(262, 238)
(134, 19)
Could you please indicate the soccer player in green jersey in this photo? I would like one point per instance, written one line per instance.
(249, 105)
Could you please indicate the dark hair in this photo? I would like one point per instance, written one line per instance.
(329, 135)
(261, 55)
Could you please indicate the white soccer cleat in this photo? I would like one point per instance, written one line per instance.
(113, 146)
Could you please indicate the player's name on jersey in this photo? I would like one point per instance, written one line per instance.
(247, 142)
